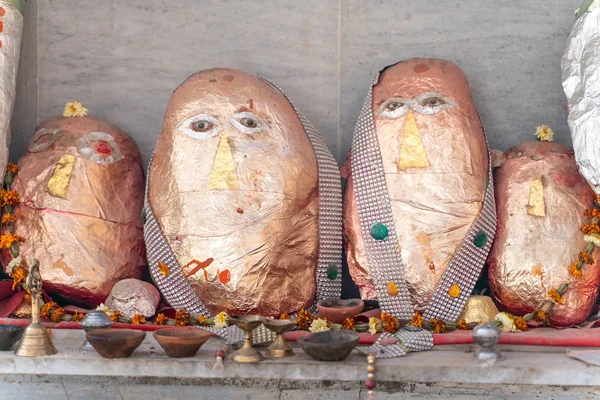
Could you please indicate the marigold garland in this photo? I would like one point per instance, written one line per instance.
(417, 320)
(438, 325)
(9, 197)
(57, 314)
(114, 317)
(201, 320)
(462, 325)
(47, 309)
(19, 276)
(161, 319)
(556, 297)
(77, 317)
(348, 324)
(182, 317)
(305, 318)
(586, 258)
(521, 324)
(138, 319)
(284, 316)
(8, 218)
(574, 271)
(391, 324)
(12, 168)
(8, 239)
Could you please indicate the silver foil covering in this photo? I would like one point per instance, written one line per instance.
(581, 82)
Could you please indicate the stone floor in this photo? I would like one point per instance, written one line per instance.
(448, 372)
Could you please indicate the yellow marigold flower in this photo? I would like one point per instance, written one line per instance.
(7, 240)
(590, 229)
(541, 316)
(12, 168)
(305, 318)
(417, 320)
(75, 109)
(390, 322)
(182, 318)
(544, 133)
(574, 272)
(348, 324)
(114, 317)
(9, 197)
(557, 298)
(521, 324)
(462, 325)
(77, 317)
(47, 309)
(221, 320)
(8, 218)
(201, 320)
(438, 325)
(19, 275)
(57, 314)
(161, 319)
(375, 325)
(138, 319)
(586, 258)
(284, 316)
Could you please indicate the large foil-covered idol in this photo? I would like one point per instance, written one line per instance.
(542, 200)
(418, 188)
(243, 210)
(81, 184)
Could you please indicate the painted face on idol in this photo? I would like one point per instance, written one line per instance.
(436, 167)
(81, 185)
(233, 185)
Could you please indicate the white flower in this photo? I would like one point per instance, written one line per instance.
(375, 326)
(318, 325)
(592, 239)
(544, 133)
(75, 109)
(106, 310)
(221, 320)
(15, 263)
(507, 324)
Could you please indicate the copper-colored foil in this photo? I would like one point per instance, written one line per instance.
(132, 296)
(90, 238)
(531, 253)
(479, 309)
(436, 183)
(245, 197)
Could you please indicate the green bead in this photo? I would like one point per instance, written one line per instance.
(379, 231)
(332, 272)
(480, 239)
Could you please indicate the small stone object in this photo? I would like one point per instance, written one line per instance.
(480, 239)
(379, 231)
(486, 335)
(332, 272)
(132, 296)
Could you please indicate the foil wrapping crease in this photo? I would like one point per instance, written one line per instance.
(580, 65)
(11, 32)
(479, 309)
(132, 296)
(435, 202)
(531, 254)
(92, 237)
(245, 198)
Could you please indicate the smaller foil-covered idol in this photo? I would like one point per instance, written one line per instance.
(243, 208)
(542, 201)
(81, 185)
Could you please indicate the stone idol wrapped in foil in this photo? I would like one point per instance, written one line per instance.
(419, 209)
(580, 66)
(81, 185)
(243, 207)
(11, 31)
(542, 201)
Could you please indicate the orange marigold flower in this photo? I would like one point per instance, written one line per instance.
(27, 298)
(586, 258)
(77, 317)
(47, 309)
(182, 317)
(521, 324)
(7, 240)
(19, 275)
(12, 168)
(284, 316)
(348, 324)
(541, 316)
(305, 318)
(161, 319)
(138, 319)
(9, 197)
(8, 218)
(462, 325)
(574, 272)
(57, 314)
(557, 298)
(390, 323)
(438, 325)
(592, 213)
(417, 320)
(590, 229)
(201, 320)
(115, 316)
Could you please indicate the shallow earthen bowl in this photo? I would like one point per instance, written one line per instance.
(9, 335)
(330, 345)
(181, 342)
(115, 343)
(337, 310)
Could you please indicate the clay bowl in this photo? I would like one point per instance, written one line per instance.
(9, 335)
(181, 342)
(337, 310)
(330, 345)
(115, 343)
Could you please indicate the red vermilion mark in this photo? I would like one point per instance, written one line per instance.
(2, 11)
(198, 266)
(250, 104)
(228, 78)
(103, 148)
(421, 68)
(224, 276)
(432, 267)
(239, 210)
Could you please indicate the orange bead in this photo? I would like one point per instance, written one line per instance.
(454, 291)
(392, 289)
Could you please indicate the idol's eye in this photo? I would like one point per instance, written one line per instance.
(429, 103)
(100, 148)
(43, 139)
(392, 108)
(201, 126)
(249, 123)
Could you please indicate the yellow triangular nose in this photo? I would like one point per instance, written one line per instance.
(223, 175)
(412, 151)
(537, 205)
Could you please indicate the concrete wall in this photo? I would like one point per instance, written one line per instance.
(123, 58)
